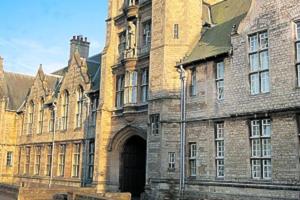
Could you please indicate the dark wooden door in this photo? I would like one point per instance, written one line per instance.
(133, 166)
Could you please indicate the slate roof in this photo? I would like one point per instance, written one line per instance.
(217, 40)
(16, 88)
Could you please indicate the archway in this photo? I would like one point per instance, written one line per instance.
(133, 166)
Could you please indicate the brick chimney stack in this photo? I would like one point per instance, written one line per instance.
(80, 43)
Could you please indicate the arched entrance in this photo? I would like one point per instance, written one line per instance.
(133, 166)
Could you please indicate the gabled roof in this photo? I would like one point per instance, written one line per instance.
(217, 40)
(17, 88)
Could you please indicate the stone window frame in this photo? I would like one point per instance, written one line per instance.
(193, 82)
(297, 49)
(192, 159)
(259, 76)
(144, 85)
(41, 116)
(154, 124)
(76, 160)
(30, 119)
(220, 149)
(65, 110)
(120, 87)
(261, 148)
(220, 79)
(49, 160)
(37, 160)
(79, 106)
(27, 160)
(61, 159)
(91, 159)
(171, 161)
(9, 159)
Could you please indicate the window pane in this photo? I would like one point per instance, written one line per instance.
(267, 169)
(256, 173)
(256, 148)
(266, 147)
(254, 83)
(263, 40)
(254, 64)
(220, 168)
(264, 60)
(298, 72)
(255, 131)
(220, 70)
(253, 43)
(265, 82)
(220, 90)
(266, 127)
(220, 130)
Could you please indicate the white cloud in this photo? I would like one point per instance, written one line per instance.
(24, 55)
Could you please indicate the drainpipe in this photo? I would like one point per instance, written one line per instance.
(53, 145)
(182, 130)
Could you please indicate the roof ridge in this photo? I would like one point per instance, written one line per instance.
(19, 74)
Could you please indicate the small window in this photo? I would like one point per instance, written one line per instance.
(61, 159)
(176, 31)
(9, 159)
(119, 91)
(76, 160)
(155, 124)
(220, 152)
(37, 165)
(171, 160)
(49, 160)
(192, 159)
(30, 118)
(91, 160)
(220, 80)
(52, 121)
(27, 161)
(144, 86)
(65, 110)
(193, 90)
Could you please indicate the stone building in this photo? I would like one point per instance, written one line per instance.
(241, 130)
(49, 122)
(13, 90)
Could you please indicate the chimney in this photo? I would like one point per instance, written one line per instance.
(80, 43)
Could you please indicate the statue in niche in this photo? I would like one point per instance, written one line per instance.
(131, 39)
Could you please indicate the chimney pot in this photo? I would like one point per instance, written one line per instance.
(85, 39)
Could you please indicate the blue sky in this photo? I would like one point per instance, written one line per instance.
(34, 32)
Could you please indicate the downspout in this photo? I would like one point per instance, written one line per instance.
(182, 130)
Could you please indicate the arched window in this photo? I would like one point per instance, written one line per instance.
(65, 110)
(41, 116)
(79, 106)
(30, 117)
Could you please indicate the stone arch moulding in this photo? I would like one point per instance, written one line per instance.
(119, 138)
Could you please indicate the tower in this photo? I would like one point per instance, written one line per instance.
(144, 41)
